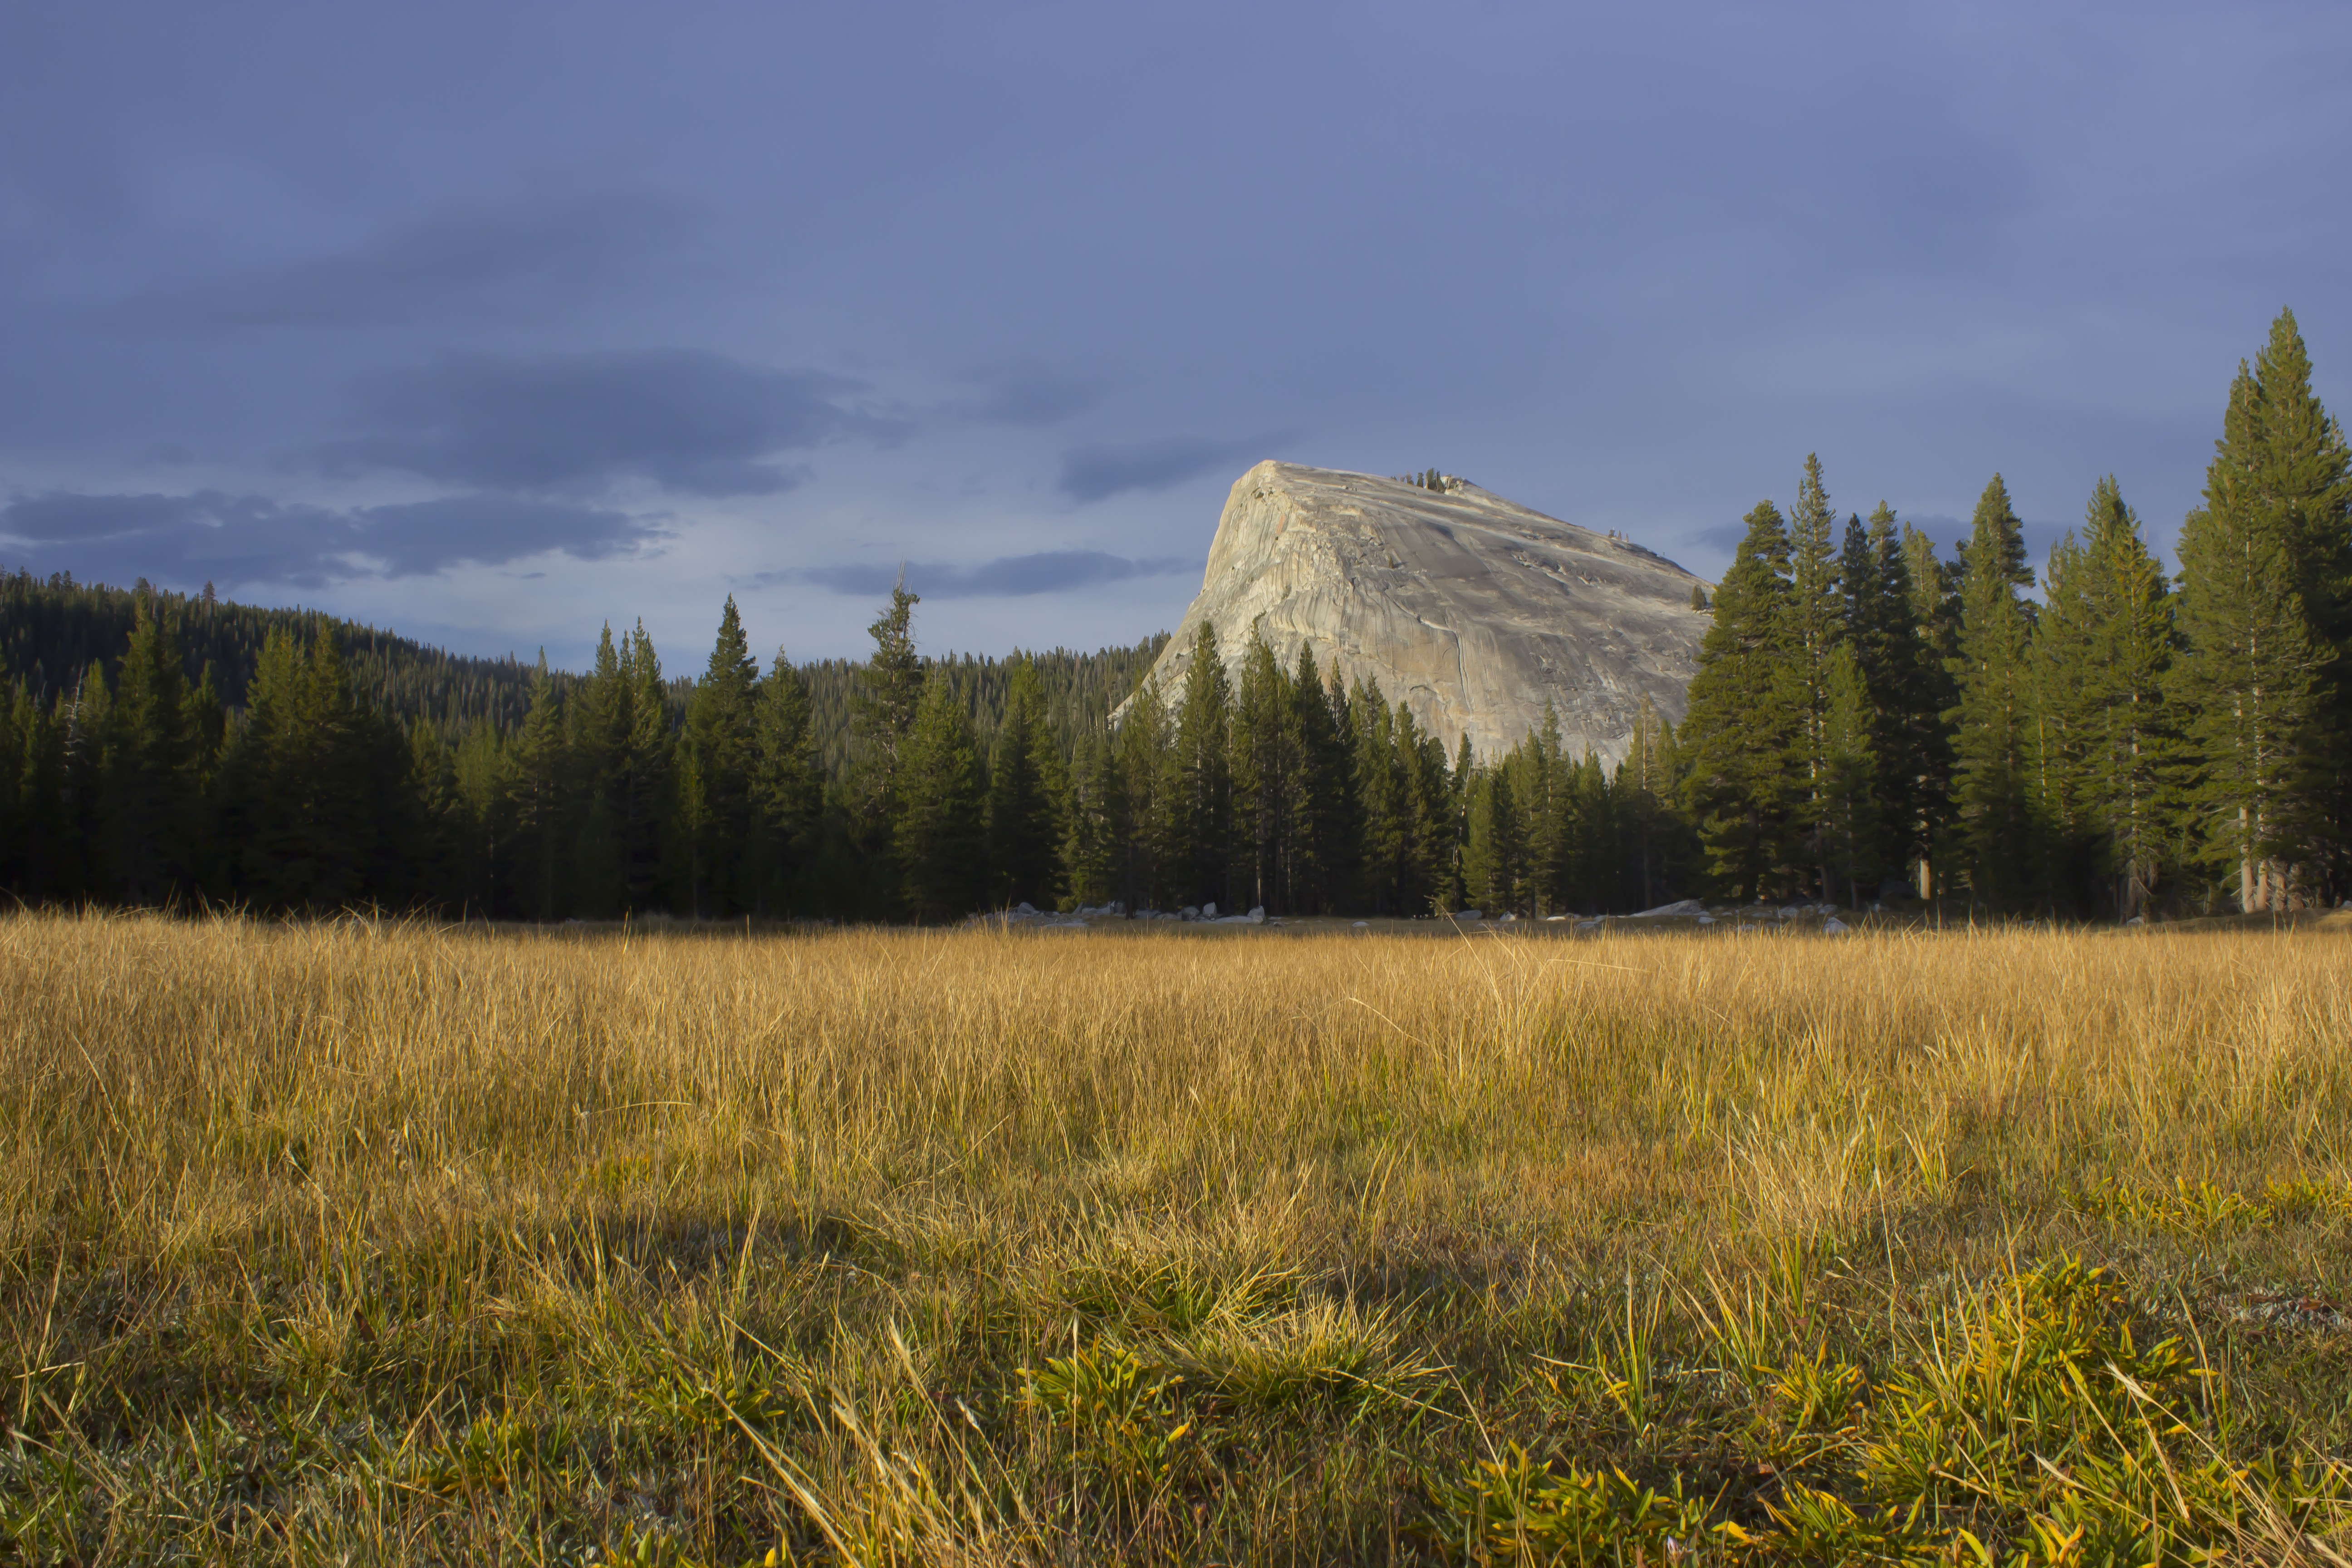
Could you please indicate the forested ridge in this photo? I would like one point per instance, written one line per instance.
(1869, 721)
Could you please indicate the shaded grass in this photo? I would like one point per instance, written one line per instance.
(369, 1242)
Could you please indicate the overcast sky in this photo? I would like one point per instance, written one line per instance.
(490, 322)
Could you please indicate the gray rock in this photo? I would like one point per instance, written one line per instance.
(1833, 925)
(1472, 610)
(1209, 910)
(1664, 912)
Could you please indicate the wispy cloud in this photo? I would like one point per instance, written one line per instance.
(695, 422)
(211, 536)
(1095, 472)
(528, 256)
(1007, 576)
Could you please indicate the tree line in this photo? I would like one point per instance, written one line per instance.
(1866, 713)
(1868, 721)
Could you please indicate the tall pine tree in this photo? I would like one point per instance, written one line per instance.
(1991, 719)
(2261, 576)
(1738, 733)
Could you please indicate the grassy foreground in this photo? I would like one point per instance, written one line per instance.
(374, 1243)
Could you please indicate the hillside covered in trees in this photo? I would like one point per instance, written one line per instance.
(1869, 721)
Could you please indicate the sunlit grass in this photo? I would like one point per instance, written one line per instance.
(377, 1242)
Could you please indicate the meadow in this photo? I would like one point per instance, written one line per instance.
(367, 1241)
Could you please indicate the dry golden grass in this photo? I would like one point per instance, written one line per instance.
(388, 1242)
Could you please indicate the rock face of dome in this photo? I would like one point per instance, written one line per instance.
(1471, 609)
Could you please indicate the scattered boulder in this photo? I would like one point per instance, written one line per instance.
(1834, 926)
(1665, 911)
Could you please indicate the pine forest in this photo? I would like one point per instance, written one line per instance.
(1871, 721)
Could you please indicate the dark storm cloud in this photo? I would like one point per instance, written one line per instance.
(1008, 576)
(696, 422)
(210, 536)
(1093, 473)
(463, 263)
(418, 538)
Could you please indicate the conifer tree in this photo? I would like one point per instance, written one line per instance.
(1202, 780)
(2063, 730)
(86, 722)
(787, 785)
(645, 782)
(151, 807)
(1738, 735)
(1341, 834)
(1427, 801)
(436, 843)
(1903, 683)
(1319, 778)
(540, 770)
(1265, 778)
(940, 836)
(1648, 782)
(599, 717)
(1382, 845)
(719, 751)
(2106, 646)
(16, 826)
(258, 809)
(40, 847)
(1814, 628)
(1494, 847)
(882, 709)
(1538, 775)
(2255, 679)
(1027, 784)
(1151, 845)
(1991, 719)
(1099, 830)
(1850, 777)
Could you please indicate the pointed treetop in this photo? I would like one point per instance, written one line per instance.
(1996, 547)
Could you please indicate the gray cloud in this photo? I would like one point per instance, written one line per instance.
(418, 538)
(1028, 395)
(1007, 576)
(1092, 473)
(696, 422)
(207, 535)
(464, 263)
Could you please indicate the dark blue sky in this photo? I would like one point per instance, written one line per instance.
(491, 322)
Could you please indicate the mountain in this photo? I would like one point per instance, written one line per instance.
(1473, 610)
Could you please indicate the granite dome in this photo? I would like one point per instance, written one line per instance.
(1472, 609)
